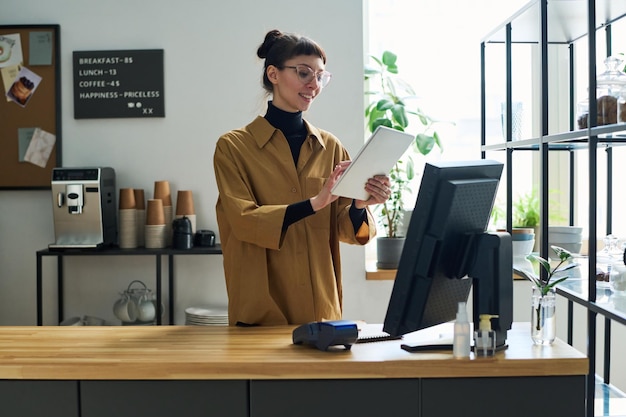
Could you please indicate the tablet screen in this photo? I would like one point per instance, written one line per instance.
(377, 156)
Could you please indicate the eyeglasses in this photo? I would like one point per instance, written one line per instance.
(306, 74)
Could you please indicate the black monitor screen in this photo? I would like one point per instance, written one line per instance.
(453, 206)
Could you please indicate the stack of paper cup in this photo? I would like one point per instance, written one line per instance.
(140, 206)
(155, 236)
(185, 207)
(128, 219)
(163, 193)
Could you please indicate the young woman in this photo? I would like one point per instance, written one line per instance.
(279, 224)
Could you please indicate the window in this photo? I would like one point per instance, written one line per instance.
(438, 48)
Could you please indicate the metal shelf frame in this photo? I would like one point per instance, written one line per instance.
(562, 22)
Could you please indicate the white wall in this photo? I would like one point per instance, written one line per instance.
(212, 84)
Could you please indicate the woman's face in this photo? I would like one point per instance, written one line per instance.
(291, 92)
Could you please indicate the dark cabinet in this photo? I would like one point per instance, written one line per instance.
(410, 397)
(429, 397)
(39, 398)
(164, 398)
(335, 398)
(519, 396)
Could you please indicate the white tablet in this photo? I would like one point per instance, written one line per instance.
(377, 156)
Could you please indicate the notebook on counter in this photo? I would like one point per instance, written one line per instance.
(377, 156)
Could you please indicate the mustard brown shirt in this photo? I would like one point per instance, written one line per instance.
(276, 276)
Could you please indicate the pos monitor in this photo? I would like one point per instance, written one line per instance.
(447, 250)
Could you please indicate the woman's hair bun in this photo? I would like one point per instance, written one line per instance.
(270, 39)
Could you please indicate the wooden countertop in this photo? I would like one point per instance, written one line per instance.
(220, 352)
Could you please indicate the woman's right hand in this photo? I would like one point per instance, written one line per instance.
(325, 197)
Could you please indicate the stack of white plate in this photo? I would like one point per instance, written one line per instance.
(206, 316)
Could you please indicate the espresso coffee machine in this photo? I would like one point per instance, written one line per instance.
(84, 207)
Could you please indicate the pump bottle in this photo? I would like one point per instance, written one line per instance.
(461, 338)
(485, 337)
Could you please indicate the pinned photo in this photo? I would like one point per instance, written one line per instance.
(40, 148)
(9, 74)
(24, 86)
(10, 50)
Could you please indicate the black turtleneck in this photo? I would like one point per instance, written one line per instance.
(292, 126)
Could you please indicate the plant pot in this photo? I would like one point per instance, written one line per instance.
(523, 240)
(537, 245)
(388, 252)
(543, 317)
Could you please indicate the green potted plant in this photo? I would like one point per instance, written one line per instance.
(526, 211)
(526, 221)
(389, 100)
(543, 319)
(526, 215)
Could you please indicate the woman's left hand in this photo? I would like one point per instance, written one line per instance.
(379, 189)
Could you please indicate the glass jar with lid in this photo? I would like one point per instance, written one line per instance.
(617, 278)
(611, 86)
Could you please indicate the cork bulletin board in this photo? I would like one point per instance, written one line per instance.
(30, 105)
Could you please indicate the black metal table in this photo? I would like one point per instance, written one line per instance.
(114, 251)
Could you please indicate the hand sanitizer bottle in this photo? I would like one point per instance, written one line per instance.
(461, 338)
(485, 337)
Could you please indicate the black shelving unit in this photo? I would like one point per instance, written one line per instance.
(561, 24)
(158, 254)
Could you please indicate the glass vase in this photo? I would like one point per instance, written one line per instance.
(543, 317)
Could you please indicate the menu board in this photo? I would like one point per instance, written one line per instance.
(117, 84)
